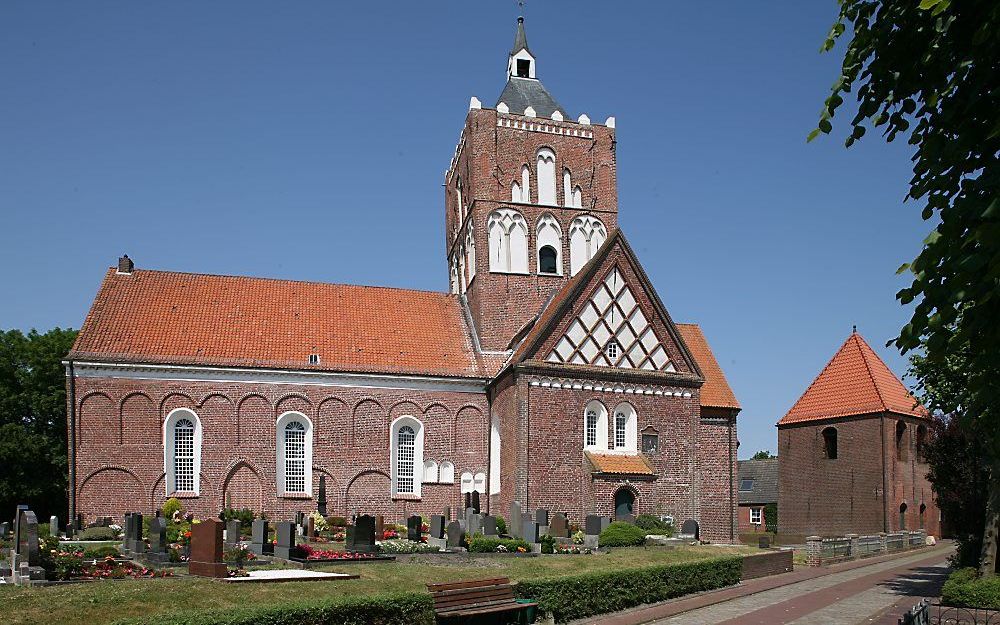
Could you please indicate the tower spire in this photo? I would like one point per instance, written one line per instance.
(520, 39)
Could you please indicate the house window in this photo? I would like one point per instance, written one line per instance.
(407, 453)
(184, 456)
(567, 188)
(182, 452)
(755, 514)
(746, 486)
(525, 184)
(314, 359)
(830, 443)
(650, 443)
(611, 350)
(294, 454)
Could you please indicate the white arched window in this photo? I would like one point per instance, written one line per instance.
(447, 475)
(479, 483)
(577, 197)
(460, 209)
(595, 426)
(294, 454)
(454, 278)
(515, 192)
(462, 276)
(494, 455)
(525, 185)
(567, 188)
(182, 452)
(586, 235)
(470, 251)
(407, 452)
(548, 242)
(467, 483)
(430, 471)
(546, 168)
(508, 241)
(625, 429)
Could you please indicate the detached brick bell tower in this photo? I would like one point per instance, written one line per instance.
(530, 196)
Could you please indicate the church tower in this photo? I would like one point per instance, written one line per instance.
(530, 196)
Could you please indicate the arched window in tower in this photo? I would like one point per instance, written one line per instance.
(577, 197)
(463, 281)
(902, 444)
(548, 239)
(830, 443)
(921, 443)
(470, 251)
(546, 167)
(515, 192)
(460, 208)
(567, 188)
(508, 241)
(586, 235)
(454, 278)
(526, 185)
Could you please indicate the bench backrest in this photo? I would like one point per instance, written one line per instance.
(462, 594)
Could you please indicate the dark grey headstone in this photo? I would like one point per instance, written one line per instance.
(559, 527)
(232, 533)
(474, 525)
(592, 526)
(489, 525)
(437, 526)
(285, 535)
(137, 545)
(158, 535)
(474, 501)
(27, 540)
(690, 528)
(300, 518)
(514, 520)
(455, 534)
(413, 525)
(321, 499)
(4, 528)
(764, 542)
(530, 530)
(259, 542)
(53, 525)
(127, 529)
(542, 516)
(363, 536)
(605, 522)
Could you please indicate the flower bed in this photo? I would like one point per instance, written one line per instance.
(70, 566)
(308, 553)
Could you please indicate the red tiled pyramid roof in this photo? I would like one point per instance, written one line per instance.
(855, 382)
(184, 318)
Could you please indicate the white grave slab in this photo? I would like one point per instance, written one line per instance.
(289, 575)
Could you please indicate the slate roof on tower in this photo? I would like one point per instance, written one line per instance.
(855, 382)
(168, 317)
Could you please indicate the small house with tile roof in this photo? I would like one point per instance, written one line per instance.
(758, 488)
(851, 452)
(550, 373)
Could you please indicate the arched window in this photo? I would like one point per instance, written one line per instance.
(467, 484)
(508, 241)
(294, 454)
(447, 475)
(586, 235)
(182, 452)
(463, 280)
(921, 443)
(546, 168)
(454, 277)
(902, 446)
(830, 443)
(625, 428)
(577, 197)
(548, 239)
(407, 452)
(525, 185)
(430, 471)
(494, 454)
(470, 251)
(515, 192)
(567, 188)
(479, 483)
(460, 209)
(595, 426)
(902, 516)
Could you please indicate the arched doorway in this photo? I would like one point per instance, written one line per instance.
(624, 504)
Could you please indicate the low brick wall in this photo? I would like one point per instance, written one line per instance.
(768, 563)
(820, 551)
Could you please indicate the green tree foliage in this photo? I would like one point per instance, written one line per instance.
(763, 454)
(33, 420)
(929, 70)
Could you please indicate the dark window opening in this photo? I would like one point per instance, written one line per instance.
(830, 443)
(921, 442)
(923, 509)
(523, 68)
(547, 260)
(901, 446)
(902, 516)
(650, 443)
(746, 486)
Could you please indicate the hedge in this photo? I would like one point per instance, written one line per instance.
(394, 609)
(621, 534)
(964, 588)
(580, 596)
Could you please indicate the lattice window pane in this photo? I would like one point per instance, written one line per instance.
(405, 454)
(591, 428)
(620, 421)
(184, 456)
(295, 457)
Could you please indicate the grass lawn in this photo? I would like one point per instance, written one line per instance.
(107, 601)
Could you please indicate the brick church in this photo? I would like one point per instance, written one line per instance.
(550, 374)
(859, 435)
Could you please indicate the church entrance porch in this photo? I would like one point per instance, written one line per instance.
(624, 504)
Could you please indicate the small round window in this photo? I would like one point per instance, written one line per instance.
(611, 350)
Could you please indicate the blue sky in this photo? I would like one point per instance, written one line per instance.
(308, 140)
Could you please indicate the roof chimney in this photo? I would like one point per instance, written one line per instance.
(125, 264)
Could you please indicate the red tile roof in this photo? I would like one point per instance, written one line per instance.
(183, 318)
(855, 382)
(619, 464)
(715, 392)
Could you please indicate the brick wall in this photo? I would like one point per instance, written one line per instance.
(744, 525)
(764, 564)
(716, 477)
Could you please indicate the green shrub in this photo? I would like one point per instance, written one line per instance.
(489, 544)
(244, 515)
(548, 543)
(336, 521)
(501, 525)
(965, 588)
(653, 525)
(580, 596)
(98, 533)
(396, 609)
(621, 534)
(99, 553)
(172, 506)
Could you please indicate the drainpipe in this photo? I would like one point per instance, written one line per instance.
(71, 443)
(732, 521)
(885, 494)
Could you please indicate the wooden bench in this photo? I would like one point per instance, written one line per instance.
(478, 597)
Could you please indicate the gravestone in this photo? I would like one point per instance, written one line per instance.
(310, 526)
(363, 537)
(232, 533)
(628, 518)
(53, 525)
(559, 528)
(455, 534)
(689, 529)
(467, 499)
(413, 525)
(764, 542)
(300, 518)
(206, 550)
(321, 499)
(127, 529)
(70, 530)
(158, 540)
(437, 526)
(26, 568)
(137, 545)
(284, 533)
(514, 520)
(379, 527)
(259, 542)
(474, 524)
(489, 525)
(4, 528)
(474, 501)
(529, 531)
(605, 522)
(592, 525)
(542, 516)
